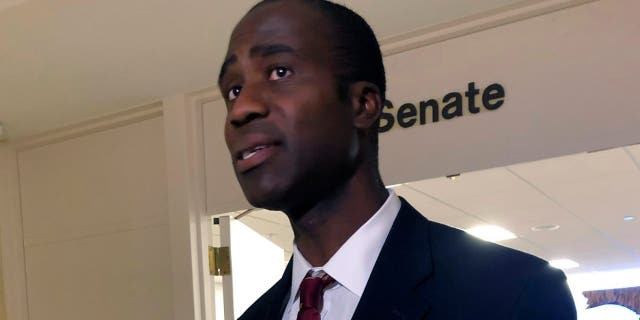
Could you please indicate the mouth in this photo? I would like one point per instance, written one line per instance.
(248, 153)
(254, 156)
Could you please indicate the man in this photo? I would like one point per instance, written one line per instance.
(304, 85)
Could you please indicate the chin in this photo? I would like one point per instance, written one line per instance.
(265, 198)
(266, 203)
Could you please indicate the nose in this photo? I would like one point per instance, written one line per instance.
(249, 106)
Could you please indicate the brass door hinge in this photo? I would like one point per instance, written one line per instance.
(219, 261)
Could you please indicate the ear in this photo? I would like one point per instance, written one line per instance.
(366, 103)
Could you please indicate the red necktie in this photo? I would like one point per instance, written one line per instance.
(311, 291)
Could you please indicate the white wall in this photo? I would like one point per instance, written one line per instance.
(96, 230)
(569, 76)
(223, 191)
(3, 311)
(94, 206)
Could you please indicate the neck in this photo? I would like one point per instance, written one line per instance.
(326, 226)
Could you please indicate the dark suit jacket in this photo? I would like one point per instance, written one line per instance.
(427, 270)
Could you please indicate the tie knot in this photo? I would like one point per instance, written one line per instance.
(311, 290)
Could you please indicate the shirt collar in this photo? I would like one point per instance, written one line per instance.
(352, 264)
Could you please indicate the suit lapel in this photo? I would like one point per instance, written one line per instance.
(397, 287)
(279, 296)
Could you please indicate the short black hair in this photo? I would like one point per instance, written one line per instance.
(355, 49)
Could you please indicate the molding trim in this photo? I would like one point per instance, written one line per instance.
(95, 231)
(389, 46)
(446, 31)
(93, 125)
(188, 225)
(474, 23)
(12, 241)
(202, 96)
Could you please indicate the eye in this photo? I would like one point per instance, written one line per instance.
(233, 93)
(278, 73)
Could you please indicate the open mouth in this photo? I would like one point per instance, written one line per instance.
(254, 156)
(247, 154)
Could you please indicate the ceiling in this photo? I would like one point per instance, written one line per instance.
(65, 61)
(587, 195)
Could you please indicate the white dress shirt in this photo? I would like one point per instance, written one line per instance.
(350, 266)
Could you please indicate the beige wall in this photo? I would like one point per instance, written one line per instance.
(3, 310)
(95, 220)
(569, 77)
(11, 242)
(94, 207)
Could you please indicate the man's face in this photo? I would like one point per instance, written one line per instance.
(291, 139)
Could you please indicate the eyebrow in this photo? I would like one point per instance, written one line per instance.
(260, 50)
(269, 50)
(225, 65)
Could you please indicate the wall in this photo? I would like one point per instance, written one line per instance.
(95, 221)
(568, 74)
(14, 282)
(3, 311)
(569, 78)
(97, 238)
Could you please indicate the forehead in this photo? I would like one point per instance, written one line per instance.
(288, 22)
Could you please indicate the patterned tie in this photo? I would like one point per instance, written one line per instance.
(311, 291)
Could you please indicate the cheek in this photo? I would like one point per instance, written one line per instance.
(321, 139)
(319, 125)
(228, 135)
(319, 107)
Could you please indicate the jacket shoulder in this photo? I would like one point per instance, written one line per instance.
(521, 285)
(456, 246)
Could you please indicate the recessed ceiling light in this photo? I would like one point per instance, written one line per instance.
(545, 227)
(629, 218)
(394, 185)
(453, 177)
(491, 233)
(563, 264)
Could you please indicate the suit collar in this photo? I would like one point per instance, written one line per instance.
(397, 287)
(352, 264)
